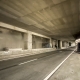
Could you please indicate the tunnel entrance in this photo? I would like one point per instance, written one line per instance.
(78, 47)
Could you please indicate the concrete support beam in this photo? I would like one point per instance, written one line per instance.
(25, 41)
(60, 44)
(53, 43)
(29, 40)
(5, 25)
(57, 43)
(50, 42)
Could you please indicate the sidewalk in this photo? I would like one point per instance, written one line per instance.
(5, 55)
(70, 70)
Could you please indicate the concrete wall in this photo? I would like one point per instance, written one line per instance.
(46, 43)
(73, 44)
(64, 44)
(54, 42)
(40, 42)
(36, 42)
(18, 40)
(11, 39)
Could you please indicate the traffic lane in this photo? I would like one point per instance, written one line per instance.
(36, 70)
(13, 62)
(23, 71)
(2, 67)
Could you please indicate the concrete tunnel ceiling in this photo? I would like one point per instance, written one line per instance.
(56, 18)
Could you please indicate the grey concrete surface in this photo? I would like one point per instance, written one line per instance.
(56, 18)
(70, 70)
(36, 70)
(11, 54)
(11, 39)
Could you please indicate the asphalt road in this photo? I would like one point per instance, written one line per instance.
(35, 67)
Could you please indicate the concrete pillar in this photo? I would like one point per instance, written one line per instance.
(53, 43)
(57, 43)
(29, 40)
(67, 44)
(50, 43)
(25, 41)
(60, 44)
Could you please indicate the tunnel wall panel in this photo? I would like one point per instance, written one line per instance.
(10, 39)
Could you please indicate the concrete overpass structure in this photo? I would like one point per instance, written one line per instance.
(31, 27)
(39, 23)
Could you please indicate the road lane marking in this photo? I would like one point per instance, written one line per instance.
(18, 64)
(27, 62)
(47, 78)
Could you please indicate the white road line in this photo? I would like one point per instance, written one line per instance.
(27, 62)
(47, 78)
